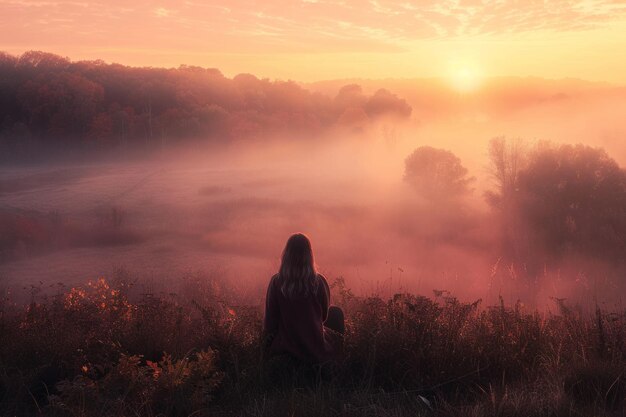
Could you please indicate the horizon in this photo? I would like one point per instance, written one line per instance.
(313, 40)
(361, 131)
(458, 169)
(308, 83)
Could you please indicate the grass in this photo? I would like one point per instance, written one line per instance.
(106, 350)
(26, 232)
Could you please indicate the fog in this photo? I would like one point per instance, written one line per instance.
(227, 210)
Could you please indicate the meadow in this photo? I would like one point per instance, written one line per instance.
(474, 240)
(110, 349)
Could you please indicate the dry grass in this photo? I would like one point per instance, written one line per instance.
(29, 232)
(104, 350)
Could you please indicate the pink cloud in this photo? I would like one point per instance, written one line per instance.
(282, 26)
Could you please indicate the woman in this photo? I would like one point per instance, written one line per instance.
(298, 320)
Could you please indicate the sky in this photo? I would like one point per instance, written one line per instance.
(311, 40)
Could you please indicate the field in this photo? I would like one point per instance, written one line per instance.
(136, 288)
(133, 283)
(456, 170)
(106, 349)
(230, 213)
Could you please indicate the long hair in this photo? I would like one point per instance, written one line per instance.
(297, 267)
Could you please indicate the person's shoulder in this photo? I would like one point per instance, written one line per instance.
(273, 286)
(321, 279)
(276, 281)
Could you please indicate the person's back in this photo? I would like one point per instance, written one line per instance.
(297, 322)
(297, 307)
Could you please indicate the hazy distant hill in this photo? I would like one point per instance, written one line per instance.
(495, 96)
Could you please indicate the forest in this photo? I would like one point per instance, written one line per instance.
(48, 102)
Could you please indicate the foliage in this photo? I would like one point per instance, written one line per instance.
(436, 174)
(507, 158)
(104, 350)
(558, 200)
(137, 386)
(49, 101)
(575, 197)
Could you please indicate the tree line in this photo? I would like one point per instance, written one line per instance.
(551, 201)
(48, 100)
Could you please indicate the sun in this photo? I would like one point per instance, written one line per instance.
(465, 79)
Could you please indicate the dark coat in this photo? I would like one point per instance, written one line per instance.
(295, 326)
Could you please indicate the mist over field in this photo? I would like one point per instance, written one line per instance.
(205, 193)
(459, 168)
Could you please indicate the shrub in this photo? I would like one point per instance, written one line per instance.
(103, 349)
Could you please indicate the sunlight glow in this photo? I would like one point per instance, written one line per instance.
(314, 40)
(465, 79)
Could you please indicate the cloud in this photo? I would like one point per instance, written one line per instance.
(161, 12)
(285, 26)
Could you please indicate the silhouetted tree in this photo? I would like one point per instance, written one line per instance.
(557, 200)
(60, 105)
(574, 199)
(42, 62)
(436, 174)
(507, 158)
(384, 103)
(350, 96)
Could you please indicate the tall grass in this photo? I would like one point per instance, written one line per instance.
(106, 350)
